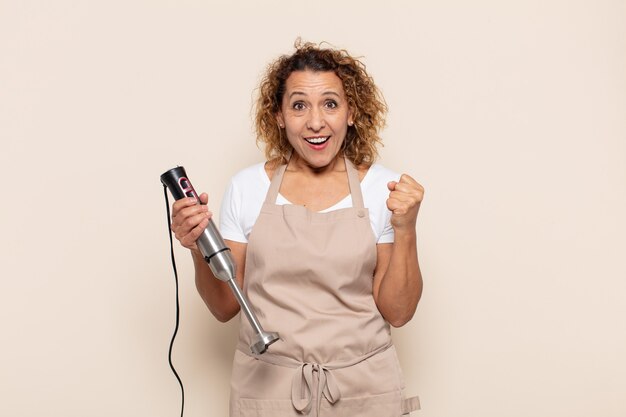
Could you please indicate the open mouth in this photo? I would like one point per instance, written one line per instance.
(318, 140)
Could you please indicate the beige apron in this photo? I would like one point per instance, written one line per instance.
(309, 277)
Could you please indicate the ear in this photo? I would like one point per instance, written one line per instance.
(280, 119)
(350, 117)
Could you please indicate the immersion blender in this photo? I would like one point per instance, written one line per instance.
(218, 256)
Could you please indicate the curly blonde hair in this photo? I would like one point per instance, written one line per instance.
(364, 99)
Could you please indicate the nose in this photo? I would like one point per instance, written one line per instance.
(315, 121)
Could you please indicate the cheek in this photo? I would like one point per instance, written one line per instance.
(294, 125)
(292, 135)
(341, 126)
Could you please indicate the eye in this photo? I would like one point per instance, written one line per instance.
(298, 105)
(330, 104)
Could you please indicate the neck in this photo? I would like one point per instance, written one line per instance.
(297, 164)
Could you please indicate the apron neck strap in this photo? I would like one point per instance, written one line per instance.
(353, 182)
(277, 179)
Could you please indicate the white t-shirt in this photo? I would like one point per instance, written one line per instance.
(246, 193)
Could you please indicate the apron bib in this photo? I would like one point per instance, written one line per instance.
(309, 276)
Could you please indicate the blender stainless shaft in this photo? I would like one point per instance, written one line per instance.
(219, 258)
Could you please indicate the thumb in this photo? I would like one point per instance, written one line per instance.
(204, 198)
(391, 185)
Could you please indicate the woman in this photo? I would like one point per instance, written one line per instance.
(325, 244)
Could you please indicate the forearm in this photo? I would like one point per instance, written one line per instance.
(401, 285)
(216, 294)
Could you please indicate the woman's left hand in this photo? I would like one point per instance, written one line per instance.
(404, 202)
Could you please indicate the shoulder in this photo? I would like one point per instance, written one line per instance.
(250, 179)
(249, 183)
(374, 185)
(378, 175)
(253, 173)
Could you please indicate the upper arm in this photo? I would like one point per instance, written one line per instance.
(383, 256)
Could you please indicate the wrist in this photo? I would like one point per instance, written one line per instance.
(196, 254)
(404, 234)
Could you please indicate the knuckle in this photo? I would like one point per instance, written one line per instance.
(188, 223)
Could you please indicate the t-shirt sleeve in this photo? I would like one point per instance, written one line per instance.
(380, 193)
(230, 215)
(387, 236)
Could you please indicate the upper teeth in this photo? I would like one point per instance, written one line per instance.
(318, 140)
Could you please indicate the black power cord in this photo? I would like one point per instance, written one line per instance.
(169, 228)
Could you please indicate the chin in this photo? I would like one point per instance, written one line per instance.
(318, 160)
(321, 162)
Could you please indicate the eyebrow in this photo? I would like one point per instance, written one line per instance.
(325, 93)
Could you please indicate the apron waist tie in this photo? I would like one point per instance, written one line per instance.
(305, 383)
(313, 378)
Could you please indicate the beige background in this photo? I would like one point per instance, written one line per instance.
(511, 114)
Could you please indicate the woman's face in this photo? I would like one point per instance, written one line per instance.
(315, 116)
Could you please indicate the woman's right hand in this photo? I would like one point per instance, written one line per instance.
(189, 220)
